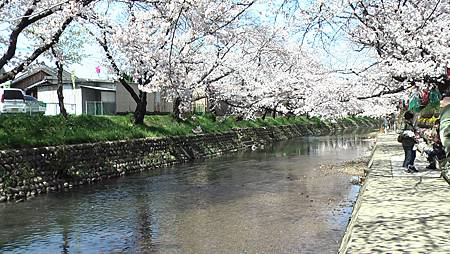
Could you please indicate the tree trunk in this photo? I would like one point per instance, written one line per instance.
(211, 108)
(289, 114)
(176, 109)
(265, 114)
(141, 108)
(274, 112)
(209, 101)
(239, 118)
(59, 91)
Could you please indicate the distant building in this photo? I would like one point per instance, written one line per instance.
(84, 96)
(81, 96)
(199, 102)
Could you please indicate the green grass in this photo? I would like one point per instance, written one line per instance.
(19, 131)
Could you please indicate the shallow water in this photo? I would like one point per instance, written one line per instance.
(274, 200)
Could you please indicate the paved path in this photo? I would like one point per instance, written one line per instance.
(399, 212)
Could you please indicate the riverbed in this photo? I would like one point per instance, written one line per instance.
(277, 199)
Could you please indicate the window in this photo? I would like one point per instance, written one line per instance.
(12, 95)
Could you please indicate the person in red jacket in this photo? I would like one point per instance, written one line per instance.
(425, 97)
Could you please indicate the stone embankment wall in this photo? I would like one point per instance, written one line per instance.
(26, 173)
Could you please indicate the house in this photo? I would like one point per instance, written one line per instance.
(199, 101)
(81, 96)
(84, 96)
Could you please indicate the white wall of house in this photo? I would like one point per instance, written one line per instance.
(77, 100)
(72, 99)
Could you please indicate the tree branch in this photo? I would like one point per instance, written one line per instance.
(394, 91)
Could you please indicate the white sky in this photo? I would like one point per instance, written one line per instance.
(86, 69)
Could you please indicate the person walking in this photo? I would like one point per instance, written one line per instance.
(385, 124)
(393, 121)
(407, 133)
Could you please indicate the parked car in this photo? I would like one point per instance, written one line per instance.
(12, 101)
(33, 105)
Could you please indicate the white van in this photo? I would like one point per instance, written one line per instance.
(12, 101)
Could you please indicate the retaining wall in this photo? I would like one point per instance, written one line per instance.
(26, 173)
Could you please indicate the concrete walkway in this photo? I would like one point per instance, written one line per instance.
(398, 212)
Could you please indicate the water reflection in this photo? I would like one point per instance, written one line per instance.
(272, 200)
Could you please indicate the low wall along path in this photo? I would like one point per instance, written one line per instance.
(26, 173)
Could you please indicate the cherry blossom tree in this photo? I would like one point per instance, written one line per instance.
(270, 74)
(22, 18)
(68, 50)
(409, 38)
(253, 60)
(166, 46)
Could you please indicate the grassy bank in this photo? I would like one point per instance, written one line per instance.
(18, 131)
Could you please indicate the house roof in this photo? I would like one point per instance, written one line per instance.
(38, 68)
(51, 79)
(37, 84)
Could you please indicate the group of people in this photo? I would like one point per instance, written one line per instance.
(418, 99)
(389, 122)
(410, 136)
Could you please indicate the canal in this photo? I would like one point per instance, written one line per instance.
(273, 200)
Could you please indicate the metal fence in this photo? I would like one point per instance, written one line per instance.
(53, 109)
(98, 108)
